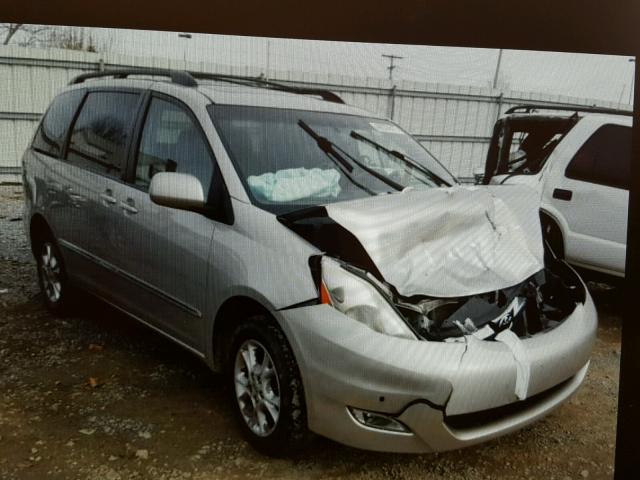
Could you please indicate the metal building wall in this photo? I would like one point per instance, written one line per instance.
(453, 122)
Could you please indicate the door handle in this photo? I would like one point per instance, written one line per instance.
(72, 195)
(562, 194)
(108, 198)
(129, 206)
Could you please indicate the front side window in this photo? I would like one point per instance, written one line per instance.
(172, 142)
(101, 133)
(605, 158)
(290, 159)
(51, 133)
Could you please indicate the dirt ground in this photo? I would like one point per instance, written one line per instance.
(98, 396)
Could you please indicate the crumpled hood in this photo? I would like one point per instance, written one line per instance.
(448, 242)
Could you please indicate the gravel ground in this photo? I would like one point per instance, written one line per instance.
(97, 396)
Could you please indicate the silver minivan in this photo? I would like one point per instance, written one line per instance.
(316, 254)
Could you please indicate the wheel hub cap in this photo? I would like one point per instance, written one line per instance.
(257, 388)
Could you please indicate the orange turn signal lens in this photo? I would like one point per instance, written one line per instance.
(325, 299)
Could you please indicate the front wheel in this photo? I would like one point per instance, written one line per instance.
(267, 389)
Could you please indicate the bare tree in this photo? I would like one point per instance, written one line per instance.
(22, 33)
(49, 36)
(70, 38)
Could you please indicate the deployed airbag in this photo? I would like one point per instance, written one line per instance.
(448, 242)
(295, 183)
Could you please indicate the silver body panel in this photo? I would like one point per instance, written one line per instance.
(345, 362)
(173, 270)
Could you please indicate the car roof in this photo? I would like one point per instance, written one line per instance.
(233, 94)
(226, 93)
(621, 119)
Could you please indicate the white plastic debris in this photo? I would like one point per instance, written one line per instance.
(449, 242)
(296, 183)
(523, 365)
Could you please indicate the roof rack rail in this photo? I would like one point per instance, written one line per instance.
(269, 84)
(179, 77)
(188, 79)
(568, 108)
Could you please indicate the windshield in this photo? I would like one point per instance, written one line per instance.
(292, 159)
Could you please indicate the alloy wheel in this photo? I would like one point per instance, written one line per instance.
(257, 387)
(51, 273)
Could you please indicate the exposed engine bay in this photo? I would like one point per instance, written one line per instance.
(538, 304)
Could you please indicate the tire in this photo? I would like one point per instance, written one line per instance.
(553, 236)
(251, 398)
(59, 295)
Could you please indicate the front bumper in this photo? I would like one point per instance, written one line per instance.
(434, 388)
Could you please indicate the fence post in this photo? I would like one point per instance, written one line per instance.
(392, 98)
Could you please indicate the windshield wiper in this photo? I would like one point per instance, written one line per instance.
(400, 156)
(330, 148)
(343, 165)
(325, 145)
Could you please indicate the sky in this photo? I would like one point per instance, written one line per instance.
(602, 77)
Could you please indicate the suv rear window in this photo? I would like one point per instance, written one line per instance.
(51, 134)
(102, 131)
(521, 146)
(605, 158)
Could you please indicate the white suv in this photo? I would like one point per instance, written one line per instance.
(578, 159)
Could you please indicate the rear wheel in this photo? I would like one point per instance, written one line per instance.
(52, 277)
(267, 388)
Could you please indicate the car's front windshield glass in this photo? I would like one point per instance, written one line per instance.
(291, 159)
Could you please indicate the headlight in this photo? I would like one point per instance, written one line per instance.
(358, 298)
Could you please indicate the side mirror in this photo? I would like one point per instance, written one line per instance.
(478, 176)
(177, 190)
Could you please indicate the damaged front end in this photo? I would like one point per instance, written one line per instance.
(536, 305)
(475, 264)
(539, 303)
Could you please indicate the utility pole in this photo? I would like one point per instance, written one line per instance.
(624, 86)
(633, 77)
(391, 66)
(268, 58)
(495, 75)
(184, 52)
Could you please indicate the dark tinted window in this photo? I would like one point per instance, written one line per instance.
(102, 130)
(55, 124)
(172, 142)
(605, 158)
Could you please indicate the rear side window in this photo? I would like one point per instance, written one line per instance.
(605, 158)
(52, 131)
(172, 141)
(102, 131)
